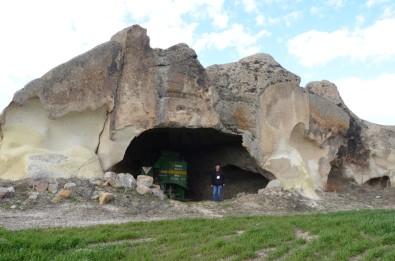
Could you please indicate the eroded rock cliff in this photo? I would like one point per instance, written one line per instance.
(80, 118)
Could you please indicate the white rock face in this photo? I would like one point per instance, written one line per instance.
(35, 146)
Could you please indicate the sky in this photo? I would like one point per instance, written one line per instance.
(350, 43)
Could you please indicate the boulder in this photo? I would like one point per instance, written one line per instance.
(145, 180)
(105, 197)
(143, 190)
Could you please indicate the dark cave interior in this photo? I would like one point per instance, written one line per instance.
(201, 148)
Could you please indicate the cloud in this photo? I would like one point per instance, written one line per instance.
(292, 17)
(372, 3)
(260, 19)
(318, 48)
(234, 37)
(335, 3)
(372, 99)
(249, 5)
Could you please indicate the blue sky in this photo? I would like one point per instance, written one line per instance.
(350, 43)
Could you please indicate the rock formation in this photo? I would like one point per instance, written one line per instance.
(368, 151)
(80, 118)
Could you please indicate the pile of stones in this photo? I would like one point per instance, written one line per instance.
(101, 190)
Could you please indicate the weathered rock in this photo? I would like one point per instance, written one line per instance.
(125, 180)
(65, 193)
(289, 132)
(105, 197)
(368, 150)
(122, 180)
(79, 119)
(33, 195)
(275, 185)
(70, 185)
(41, 185)
(145, 180)
(4, 191)
(156, 191)
(53, 187)
(143, 190)
(96, 182)
(110, 178)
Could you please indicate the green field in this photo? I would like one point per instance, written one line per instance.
(355, 235)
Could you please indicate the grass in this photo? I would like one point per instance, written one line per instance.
(363, 235)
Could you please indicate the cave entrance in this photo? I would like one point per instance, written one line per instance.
(201, 149)
(383, 182)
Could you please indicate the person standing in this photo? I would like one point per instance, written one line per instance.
(217, 182)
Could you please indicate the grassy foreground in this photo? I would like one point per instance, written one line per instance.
(364, 235)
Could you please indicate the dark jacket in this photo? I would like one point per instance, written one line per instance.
(217, 178)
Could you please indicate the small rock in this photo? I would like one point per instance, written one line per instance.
(95, 182)
(41, 186)
(111, 178)
(145, 180)
(125, 180)
(65, 193)
(156, 191)
(4, 191)
(13, 206)
(105, 197)
(378, 196)
(33, 195)
(142, 190)
(53, 187)
(56, 199)
(69, 185)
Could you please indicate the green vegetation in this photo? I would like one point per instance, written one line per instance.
(364, 235)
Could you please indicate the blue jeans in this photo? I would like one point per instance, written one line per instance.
(217, 192)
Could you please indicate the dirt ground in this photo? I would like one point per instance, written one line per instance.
(17, 211)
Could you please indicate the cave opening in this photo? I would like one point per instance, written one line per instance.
(383, 182)
(201, 148)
